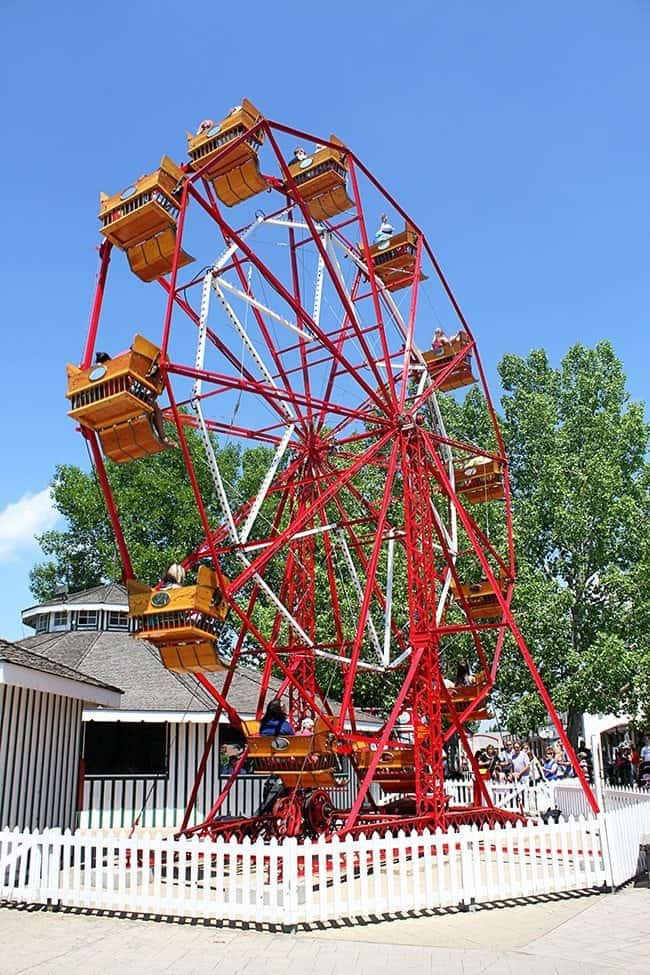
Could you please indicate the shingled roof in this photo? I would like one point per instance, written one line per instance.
(14, 653)
(112, 594)
(134, 665)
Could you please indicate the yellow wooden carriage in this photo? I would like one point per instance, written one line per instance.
(394, 259)
(464, 695)
(321, 179)
(396, 769)
(305, 761)
(182, 622)
(117, 398)
(142, 220)
(235, 174)
(481, 598)
(438, 359)
(479, 479)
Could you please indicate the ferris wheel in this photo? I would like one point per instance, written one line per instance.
(364, 551)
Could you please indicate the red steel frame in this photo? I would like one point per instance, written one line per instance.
(385, 431)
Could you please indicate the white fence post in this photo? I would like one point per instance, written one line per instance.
(597, 770)
(607, 851)
(290, 884)
(52, 850)
(467, 886)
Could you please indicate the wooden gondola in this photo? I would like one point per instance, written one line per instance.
(321, 180)
(234, 173)
(463, 696)
(183, 622)
(396, 769)
(479, 479)
(481, 599)
(394, 258)
(142, 220)
(439, 358)
(117, 399)
(305, 761)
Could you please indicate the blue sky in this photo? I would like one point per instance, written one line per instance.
(515, 133)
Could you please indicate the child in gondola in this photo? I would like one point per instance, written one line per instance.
(306, 727)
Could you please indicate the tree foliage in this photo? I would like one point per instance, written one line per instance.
(580, 481)
(577, 449)
(157, 511)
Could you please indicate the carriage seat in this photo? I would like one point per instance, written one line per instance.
(142, 220)
(308, 761)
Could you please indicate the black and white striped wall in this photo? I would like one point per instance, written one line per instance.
(40, 743)
(40, 739)
(158, 801)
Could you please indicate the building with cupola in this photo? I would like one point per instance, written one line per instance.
(139, 752)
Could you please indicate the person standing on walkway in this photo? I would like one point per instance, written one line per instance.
(520, 765)
(551, 767)
(645, 751)
(505, 761)
(536, 771)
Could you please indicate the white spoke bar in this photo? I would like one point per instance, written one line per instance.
(318, 289)
(266, 483)
(389, 598)
(443, 528)
(286, 223)
(372, 632)
(361, 664)
(229, 251)
(443, 596)
(203, 331)
(251, 348)
(264, 308)
(232, 528)
(310, 531)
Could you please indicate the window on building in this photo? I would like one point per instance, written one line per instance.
(231, 745)
(125, 748)
(117, 620)
(42, 623)
(60, 621)
(87, 619)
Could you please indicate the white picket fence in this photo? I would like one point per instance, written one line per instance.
(531, 799)
(625, 830)
(571, 800)
(290, 883)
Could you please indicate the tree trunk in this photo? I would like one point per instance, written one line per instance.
(574, 727)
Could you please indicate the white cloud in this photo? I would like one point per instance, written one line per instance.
(21, 520)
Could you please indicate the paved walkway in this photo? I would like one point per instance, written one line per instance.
(567, 935)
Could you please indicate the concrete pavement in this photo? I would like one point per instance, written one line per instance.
(565, 934)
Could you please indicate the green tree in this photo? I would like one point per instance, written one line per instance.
(157, 512)
(577, 448)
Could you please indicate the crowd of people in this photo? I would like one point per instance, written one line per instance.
(517, 762)
(628, 765)
(625, 765)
